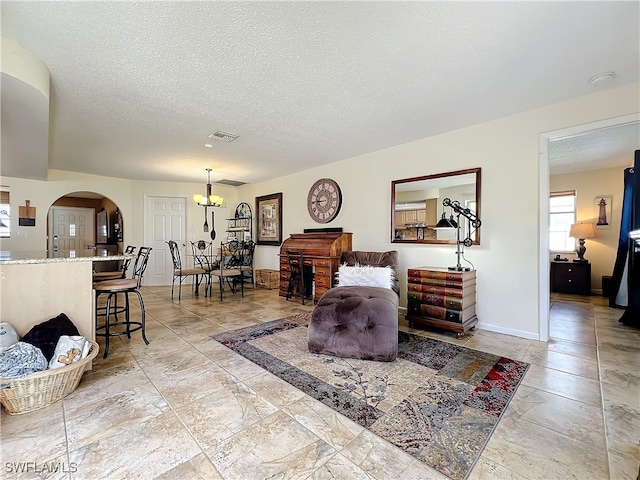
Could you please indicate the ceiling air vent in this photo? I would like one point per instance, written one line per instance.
(233, 183)
(224, 136)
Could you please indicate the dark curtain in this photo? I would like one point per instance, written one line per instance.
(628, 257)
(623, 242)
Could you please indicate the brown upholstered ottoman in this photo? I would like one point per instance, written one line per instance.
(356, 322)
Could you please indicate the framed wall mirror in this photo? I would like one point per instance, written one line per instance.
(416, 206)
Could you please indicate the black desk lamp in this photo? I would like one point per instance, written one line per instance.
(445, 223)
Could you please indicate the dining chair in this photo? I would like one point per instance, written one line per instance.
(181, 273)
(229, 267)
(125, 286)
(203, 258)
(248, 248)
(121, 273)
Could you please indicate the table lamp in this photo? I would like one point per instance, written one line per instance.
(582, 231)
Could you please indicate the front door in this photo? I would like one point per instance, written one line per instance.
(71, 228)
(166, 220)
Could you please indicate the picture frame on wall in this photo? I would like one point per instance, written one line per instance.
(602, 204)
(269, 211)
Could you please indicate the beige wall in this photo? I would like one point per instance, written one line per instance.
(128, 195)
(601, 251)
(509, 258)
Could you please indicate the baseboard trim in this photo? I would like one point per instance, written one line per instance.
(508, 331)
(495, 328)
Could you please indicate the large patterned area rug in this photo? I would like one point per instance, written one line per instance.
(438, 401)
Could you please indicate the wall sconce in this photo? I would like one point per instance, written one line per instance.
(582, 231)
(208, 200)
(472, 221)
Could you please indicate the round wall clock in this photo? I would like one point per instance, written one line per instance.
(324, 200)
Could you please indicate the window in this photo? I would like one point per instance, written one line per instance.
(562, 214)
(5, 212)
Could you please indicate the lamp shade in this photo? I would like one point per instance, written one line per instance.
(446, 224)
(582, 230)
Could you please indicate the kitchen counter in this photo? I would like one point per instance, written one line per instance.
(92, 255)
(37, 286)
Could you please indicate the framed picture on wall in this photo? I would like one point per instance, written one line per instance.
(603, 211)
(269, 211)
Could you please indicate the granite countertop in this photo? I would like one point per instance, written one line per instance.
(93, 255)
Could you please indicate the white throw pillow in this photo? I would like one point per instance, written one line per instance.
(365, 275)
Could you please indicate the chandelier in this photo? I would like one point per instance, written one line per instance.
(208, 200)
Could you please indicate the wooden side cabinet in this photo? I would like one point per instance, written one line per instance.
(571, 277)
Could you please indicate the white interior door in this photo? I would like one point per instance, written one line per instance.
(166, 220)
(71, 228)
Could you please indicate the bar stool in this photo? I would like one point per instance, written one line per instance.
(115, 275)
(112, 288)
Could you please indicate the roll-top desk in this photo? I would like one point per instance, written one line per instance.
(321, 256)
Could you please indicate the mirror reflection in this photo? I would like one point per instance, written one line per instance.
(417, 206)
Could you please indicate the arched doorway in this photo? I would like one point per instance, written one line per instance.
(83, 220)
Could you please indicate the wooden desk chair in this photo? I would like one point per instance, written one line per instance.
(296, 286)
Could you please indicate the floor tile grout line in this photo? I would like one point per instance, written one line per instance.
(600, 378)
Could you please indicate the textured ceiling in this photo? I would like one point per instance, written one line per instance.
(136, 87)
(601, 148)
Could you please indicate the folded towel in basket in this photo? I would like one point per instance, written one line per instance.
(70, 349)
(21, 359)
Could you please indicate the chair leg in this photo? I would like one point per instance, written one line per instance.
(172, 284)
(289, 288)
(142, 317)
(209, 286)
(126, 314)
(106, 326)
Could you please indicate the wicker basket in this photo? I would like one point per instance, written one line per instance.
(41, 389)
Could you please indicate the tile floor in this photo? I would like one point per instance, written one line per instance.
(185, 407)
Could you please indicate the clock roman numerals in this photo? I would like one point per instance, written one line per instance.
(324, 200)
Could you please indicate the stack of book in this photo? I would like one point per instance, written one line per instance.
(438, 296)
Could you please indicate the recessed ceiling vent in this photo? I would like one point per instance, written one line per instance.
(232, 183)
(224, 136)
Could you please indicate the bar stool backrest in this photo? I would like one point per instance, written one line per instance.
(126, 262)
(141, 264)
